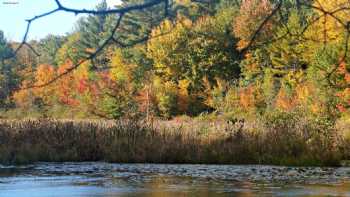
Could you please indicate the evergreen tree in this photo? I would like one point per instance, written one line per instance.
(137, 25)
(48, 48)
(7, 75)
(93, 31)
(288, 54)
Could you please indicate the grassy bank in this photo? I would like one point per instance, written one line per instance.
(285, 140)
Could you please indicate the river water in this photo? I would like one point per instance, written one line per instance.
(111, 180)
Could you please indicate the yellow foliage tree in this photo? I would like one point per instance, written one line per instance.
(44, 74)
(332, 18)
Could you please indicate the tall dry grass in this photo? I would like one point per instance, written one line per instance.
(291, 142)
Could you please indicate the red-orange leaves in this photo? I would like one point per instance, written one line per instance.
(251, 15)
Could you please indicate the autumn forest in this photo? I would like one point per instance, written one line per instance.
(266, 79)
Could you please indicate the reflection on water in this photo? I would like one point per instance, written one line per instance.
(155, 180)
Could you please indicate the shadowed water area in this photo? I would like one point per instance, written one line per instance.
(109, 180)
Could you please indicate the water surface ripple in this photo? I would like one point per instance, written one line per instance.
(97, 179)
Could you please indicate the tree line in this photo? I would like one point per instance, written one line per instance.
(248, 58)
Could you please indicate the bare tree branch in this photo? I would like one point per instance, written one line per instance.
(60, 7)
(262, 25)
(92, 56)
(120, 11)
(167, 4)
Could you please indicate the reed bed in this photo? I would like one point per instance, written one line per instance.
(211, 142)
